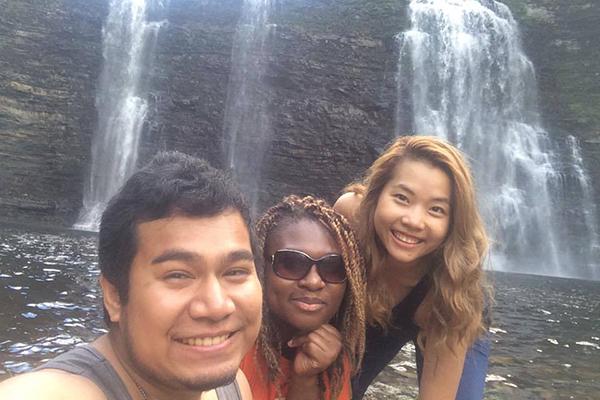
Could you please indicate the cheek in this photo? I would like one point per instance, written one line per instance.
(385, 212)
(443, 229)
(274, 295)
(339, 295)
(274, 292)
(153, 306)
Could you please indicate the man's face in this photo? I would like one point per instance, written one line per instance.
(194, 304)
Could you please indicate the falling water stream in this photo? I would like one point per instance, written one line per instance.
(128, 41)
(246, 126)
(470, 82)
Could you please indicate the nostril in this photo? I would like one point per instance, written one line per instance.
(312, 280)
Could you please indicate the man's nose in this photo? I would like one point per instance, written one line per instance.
(212, 301)
(312, 280)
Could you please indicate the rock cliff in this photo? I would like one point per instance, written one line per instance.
(50, 57)
(330, 85)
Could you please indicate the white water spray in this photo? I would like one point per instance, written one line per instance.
(471, 83)
(128, 43)
(247, 127)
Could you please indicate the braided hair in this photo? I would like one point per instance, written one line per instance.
(350, 320)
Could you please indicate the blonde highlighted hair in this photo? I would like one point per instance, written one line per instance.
(457, 283)
(350, 319)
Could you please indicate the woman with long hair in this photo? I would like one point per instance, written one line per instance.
(424, 245)
(312, 337)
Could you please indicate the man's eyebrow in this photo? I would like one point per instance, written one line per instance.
(188, 256)
(238, 255)
(176, 255)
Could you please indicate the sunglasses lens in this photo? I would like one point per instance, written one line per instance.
(294, 265)
(331, 269)
(291, 265)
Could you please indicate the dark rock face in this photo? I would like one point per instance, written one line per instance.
(188, 84)
(330, 84)
(50, 56)
(332, 81)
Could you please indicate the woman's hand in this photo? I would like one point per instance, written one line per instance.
(317, 350)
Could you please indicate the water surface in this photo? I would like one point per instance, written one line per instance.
(545, 332)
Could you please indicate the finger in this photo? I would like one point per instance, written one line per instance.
(297, 341)
(328, 332)
(326, 336)
(323, 343)
(318, 356)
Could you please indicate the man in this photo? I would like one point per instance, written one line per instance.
(182, 299)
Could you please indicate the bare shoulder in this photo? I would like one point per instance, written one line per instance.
(243, 385)
(50, 384)
(347, 205)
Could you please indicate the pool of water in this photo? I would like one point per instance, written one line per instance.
(545, 332)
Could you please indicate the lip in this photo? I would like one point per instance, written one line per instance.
(307, 303)
(405, 240)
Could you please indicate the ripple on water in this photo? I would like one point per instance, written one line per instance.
(588, 344)
(17, 367)
(59, 305)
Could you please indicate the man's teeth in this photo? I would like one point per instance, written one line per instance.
(406, 239)
(207, 341)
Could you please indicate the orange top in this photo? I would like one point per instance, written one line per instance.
(255, 369)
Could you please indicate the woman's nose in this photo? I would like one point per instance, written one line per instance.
(312, 280)
(413, 218)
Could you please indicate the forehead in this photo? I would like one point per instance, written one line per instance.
(308, 235)
(422, 175)
(204, 237)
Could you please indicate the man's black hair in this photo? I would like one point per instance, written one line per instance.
(172, 183)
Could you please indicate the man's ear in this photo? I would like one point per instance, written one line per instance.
(112, 301)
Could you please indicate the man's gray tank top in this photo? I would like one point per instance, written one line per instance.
(88, 362)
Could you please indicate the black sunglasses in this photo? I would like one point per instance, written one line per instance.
(295, 265)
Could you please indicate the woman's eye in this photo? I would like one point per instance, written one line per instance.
(438, 210)
(400, 197)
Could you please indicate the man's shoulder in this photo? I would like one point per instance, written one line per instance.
(49, 384)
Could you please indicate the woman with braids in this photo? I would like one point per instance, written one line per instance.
(313, 331)
(424, 245)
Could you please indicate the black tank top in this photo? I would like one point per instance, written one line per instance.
(381, 348)
(88, 362)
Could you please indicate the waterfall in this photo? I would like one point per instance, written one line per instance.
(469, 82)
(246, 126)
(128, 41)
(581, 210)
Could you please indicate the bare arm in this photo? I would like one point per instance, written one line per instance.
(442, 369)
(50, 385)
